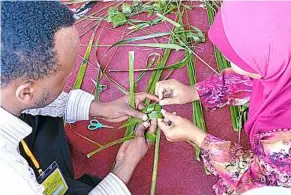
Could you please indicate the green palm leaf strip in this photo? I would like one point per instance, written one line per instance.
(156, 75)
(97, 91)
(150, 36)
(150, 136)
(151, 81)
(130, 122)
(194, 33)
(149, 65)
(131, 79)
(118, 86)
(98, 82)
(84, 137)
(198, 117)
(155, 115)
(196, 105)
(83, 67)
(157, 45)
(156, 162)
(141, 26)
(152, 107)
(179, 64)
(130, 128)
(176, 24)
(119, 141)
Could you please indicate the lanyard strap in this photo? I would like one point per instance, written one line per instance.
(31, 156)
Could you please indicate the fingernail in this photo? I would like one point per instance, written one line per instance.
(146, 124)
(144, 117)
(163, 111)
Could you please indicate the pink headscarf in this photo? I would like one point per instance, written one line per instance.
(256, 36)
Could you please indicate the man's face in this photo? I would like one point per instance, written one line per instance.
(66, 48)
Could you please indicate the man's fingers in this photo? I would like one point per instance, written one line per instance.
(141, 129)
(136, 114)
(116, 120)
(153, 126)
(140, 106)
(167, 101)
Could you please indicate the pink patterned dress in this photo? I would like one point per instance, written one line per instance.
(239, 170)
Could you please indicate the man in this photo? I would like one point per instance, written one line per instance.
(39, 47)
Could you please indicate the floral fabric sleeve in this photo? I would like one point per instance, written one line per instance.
(227, 88)
(239, 170)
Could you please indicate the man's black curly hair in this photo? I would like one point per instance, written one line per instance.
(27, 38)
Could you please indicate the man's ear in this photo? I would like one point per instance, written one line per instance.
(25, 92)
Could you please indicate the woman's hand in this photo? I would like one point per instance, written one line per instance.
(131, 152)
(177, 128)
(119, 110)
(174, 92)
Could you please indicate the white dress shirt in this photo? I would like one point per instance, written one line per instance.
(16, 177)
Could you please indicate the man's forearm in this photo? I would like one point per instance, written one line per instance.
(96, 109)
(123, 171)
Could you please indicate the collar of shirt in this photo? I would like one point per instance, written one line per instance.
(12, 129)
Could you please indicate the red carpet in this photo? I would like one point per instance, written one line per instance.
(179, 173)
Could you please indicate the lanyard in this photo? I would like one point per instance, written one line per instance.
(31, 156)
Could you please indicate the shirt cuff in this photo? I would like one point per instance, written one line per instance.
(110, 185)
(210, 141)
(78, 106)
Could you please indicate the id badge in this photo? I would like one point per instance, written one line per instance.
(53, 181)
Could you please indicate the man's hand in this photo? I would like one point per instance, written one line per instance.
(177, 128)
(131, 152)
(119, 110)
(174, 92)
